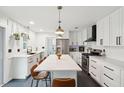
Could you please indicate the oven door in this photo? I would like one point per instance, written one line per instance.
(85, 63)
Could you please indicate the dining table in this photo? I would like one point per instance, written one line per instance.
(65, 67)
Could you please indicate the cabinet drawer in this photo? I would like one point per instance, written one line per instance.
(112, 77)
(107, 82)
(30, 60)
(111, 70)
(93, 67)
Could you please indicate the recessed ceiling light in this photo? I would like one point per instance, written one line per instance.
(31, 22)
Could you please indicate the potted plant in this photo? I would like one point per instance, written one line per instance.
(16, 36)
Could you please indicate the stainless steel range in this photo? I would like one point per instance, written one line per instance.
(85, 58)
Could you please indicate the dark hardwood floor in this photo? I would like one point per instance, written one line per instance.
(84, 80)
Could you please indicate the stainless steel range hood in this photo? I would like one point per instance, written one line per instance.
(93, 37)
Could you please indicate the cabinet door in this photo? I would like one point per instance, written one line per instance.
(122, 26)
(70, 38)
(3, 21)
(106, 31)
(79, 37)
(115, 27)
(84, 35)
(100, 30)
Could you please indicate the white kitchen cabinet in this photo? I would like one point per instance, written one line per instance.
(73, 36)
(110, 76)
(105, 72)
(94, 69)
(122, 38)
(103, 32)
(106, 31)
(100, 30)
(77, 57)
(116, 28)
(79, 38)
(22, 66)
(3, 21)
(122, 78)
(84, 36)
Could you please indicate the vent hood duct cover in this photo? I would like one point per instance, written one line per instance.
(93, 37)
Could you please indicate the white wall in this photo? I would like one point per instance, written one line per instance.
(115, 52)
(41, 39)
(13, 44)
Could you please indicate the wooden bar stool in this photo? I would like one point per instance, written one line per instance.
(38, 75)
(63, 82)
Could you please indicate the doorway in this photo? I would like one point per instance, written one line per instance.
(2, 30)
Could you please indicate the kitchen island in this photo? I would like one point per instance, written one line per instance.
(66, 67)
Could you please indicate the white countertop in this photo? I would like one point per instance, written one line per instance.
(109, 60)
(24, 55)
(53, 64)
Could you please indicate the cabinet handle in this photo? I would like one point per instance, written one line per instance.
(101, 41)
(106, 85)
(108, 76)
(93, 67)
(116, 40)
(109, 68)
(93, 61)
(93, 74)
(119, 40)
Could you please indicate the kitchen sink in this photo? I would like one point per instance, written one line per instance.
(31, 53)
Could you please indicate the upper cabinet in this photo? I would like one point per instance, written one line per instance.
(115, 28)
(3, 21)
(73, 37)
(103, 32)
(110, 29)
(78, 37)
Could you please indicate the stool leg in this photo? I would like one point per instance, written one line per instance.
(37, 83)
(31, 82)
(46, 82)
(50, 78)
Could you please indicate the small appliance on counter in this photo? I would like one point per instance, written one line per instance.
(81, 48)
(73, 48)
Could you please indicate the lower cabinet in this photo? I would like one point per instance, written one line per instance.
(22, 66)
(106, 74)
(110, 76)
(94, 69)
(76, 56)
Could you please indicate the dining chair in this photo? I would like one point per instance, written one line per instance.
(63, 82)
(43, 75)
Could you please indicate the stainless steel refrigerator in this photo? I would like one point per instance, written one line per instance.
(63, 45)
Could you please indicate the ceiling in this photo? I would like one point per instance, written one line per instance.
(46, 17)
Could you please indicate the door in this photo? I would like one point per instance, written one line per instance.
(51, 45)
(1, 56)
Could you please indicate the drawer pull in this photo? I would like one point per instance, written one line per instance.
(93, 74)
(108, 76)
(106, 85)
(93, 67)
(109, 68)
(93, 61)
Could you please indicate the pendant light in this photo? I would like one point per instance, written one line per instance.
(59, 30)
